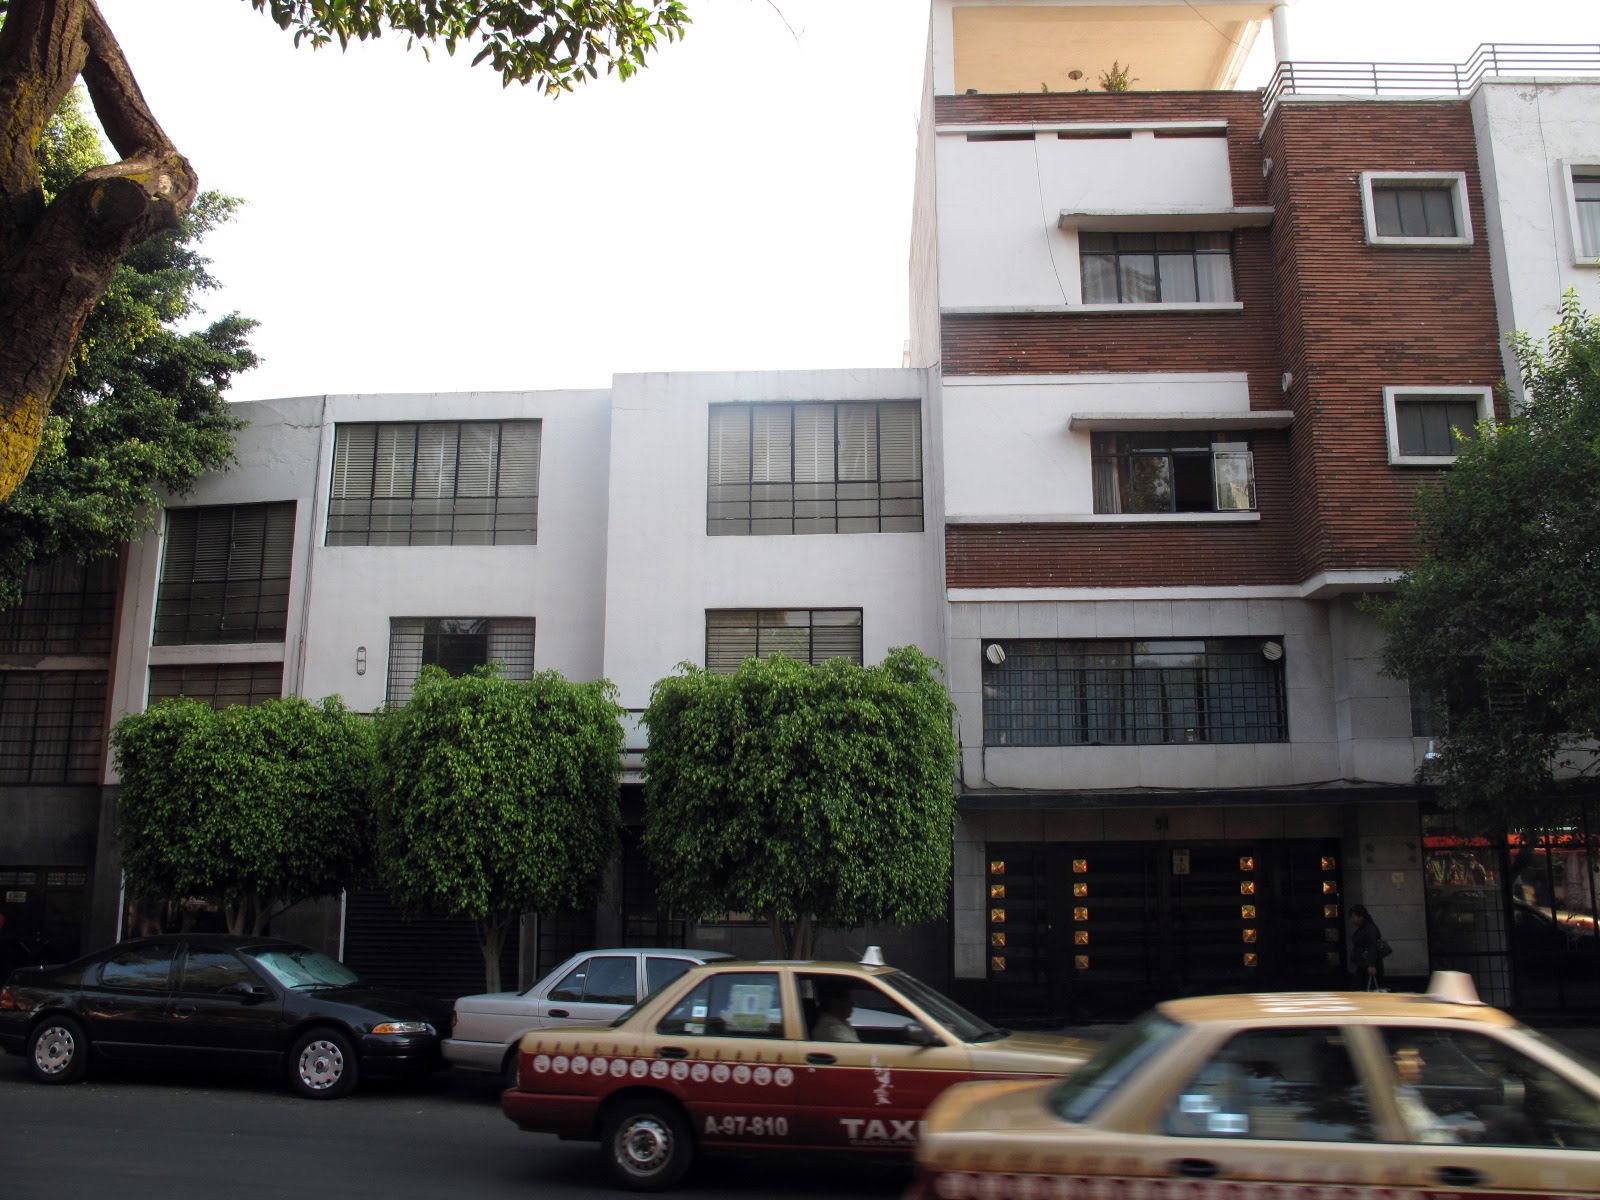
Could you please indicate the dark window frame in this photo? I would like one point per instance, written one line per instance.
(1097, 692)
(757, 626)
(67, 608)
(262, 681)
(1123, 251)
(499, 517)
(1124, 450)
(233, 598)
(1401, 206)
(881, 503)
(77, 754)
(399, 683)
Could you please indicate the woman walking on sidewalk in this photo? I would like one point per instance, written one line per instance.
(1366, 950)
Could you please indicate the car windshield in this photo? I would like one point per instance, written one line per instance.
(1583, 1060)
(299, 967)
(943, 1010)
(1080, 1094)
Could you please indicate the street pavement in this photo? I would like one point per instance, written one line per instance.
(140, 1134)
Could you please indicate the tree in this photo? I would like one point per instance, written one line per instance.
(498, 797)
(142, 409)
(1499, 615)
(809, 796)
(262, 806)
(59, 254)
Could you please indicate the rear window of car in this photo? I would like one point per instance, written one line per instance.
(1081, 1094)
(659, 971)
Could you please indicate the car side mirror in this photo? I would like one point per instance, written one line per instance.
(918, 1034)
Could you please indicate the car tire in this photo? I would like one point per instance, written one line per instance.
(508, 1069)
(58, 1051)
(322, 1065)
(647, 1144)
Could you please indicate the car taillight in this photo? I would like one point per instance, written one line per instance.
(10, 1000)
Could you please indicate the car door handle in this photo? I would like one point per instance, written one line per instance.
(821, 1060)
(672, 1052)
(184, 1010)
(1194, 1168)
(559, 1012)
(1459, 1177)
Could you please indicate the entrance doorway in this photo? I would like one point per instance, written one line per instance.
(1101, 930)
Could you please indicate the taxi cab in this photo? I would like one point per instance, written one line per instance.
(1327, 1095)
(763, 1056)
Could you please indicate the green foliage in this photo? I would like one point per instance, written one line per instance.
(263, 806)
(1500, 615)
(553, 44)
(142, 410)
(497, 797)
(1116, 79)
(806, 795)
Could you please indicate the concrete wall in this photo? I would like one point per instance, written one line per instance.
(1526, 131)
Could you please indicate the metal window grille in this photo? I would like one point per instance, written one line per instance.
(225, 574)
(457, 644)
(1115, 693)
(437, 483)
(1173, 472)
(218, 684)
(811, 635)
(1434, 426)
(52, 726)
(1156, 268)
(843, 467)
(1414, 211)
(66, 608)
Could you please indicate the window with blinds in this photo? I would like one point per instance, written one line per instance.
(66, 608)
(815, 468)
(52, 726)
(457, 644)
(218, 684)
(225, 574)
(811, 635)
(437, 483)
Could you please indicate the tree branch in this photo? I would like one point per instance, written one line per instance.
(115, 93)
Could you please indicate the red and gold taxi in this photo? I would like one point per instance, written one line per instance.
(759, 1056)
(1328, 1096)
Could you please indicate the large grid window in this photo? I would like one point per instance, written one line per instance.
(811, 635)
(1173, 472)
(815, 468)
(456, 644)
(1117, 693)
(1156, 268)
(218, 684)
(225, 574)
(439, 483)
(52, 726)
(66, 608)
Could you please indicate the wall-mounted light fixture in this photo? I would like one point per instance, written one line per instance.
(361, 660)
(1074, 74)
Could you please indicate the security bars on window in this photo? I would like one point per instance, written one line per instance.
(52, 726)
(437, 483)
(810, 635)
(1116, 693)
(1156, 268)
(218, 684)
(815, 468)
(457, 644)
(225, 574)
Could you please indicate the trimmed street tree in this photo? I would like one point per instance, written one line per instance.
(497, 798)
(811, 796)
(1500, 617)
(261, 806)
(141, 410)
(59, 254)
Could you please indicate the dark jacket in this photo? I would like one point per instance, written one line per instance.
(1364, 949)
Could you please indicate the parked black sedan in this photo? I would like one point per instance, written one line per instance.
(213, 999)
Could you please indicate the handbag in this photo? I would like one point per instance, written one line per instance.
(1384, 949)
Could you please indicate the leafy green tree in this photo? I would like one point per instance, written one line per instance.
(1500, 616)
(808, 795)
(58, 254)
(142, 409)
(261, 806)
(498, 797)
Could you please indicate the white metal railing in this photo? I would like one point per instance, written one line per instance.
(1431, 79)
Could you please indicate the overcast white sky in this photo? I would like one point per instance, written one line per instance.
(743, 203)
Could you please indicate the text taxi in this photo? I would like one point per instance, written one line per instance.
(1330, 1096)
(765, 1056)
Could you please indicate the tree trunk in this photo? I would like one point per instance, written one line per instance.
(491, 937)
(57, 259)
(794, 939)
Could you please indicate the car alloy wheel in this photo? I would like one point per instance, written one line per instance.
(58, 1051)
(322, 1065)
(648, 1145)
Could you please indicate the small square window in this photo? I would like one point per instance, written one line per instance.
(1427, 426)
(1416, 208)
